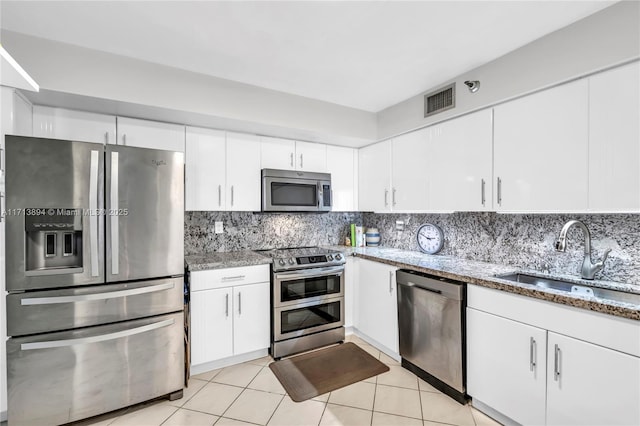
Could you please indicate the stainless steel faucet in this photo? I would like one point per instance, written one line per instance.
(588, 269)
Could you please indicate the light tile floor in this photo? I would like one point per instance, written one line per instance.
(249, 394)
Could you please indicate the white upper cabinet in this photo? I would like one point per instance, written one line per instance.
(460, 163)
(278, 153)
(311, 157)
(150, 134)
(244, 183)
(73, 125)
(342, 164)
(205, 170)
(286, 154)
(374, 183)
(411, 162)
(541, 151)
(614, 140)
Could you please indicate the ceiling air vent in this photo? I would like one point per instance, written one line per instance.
(440, 100)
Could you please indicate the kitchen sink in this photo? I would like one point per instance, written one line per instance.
(569, 287)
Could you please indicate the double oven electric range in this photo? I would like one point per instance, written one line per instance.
(307, 299)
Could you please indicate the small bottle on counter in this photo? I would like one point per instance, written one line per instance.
(347, 241)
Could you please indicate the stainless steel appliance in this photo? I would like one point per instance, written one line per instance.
(307, 299)
(94, 265)
(292, 191)
(431, 330)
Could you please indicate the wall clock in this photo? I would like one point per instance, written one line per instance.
(430, 238)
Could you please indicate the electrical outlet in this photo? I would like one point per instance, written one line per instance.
(399, 225)
(218, 227)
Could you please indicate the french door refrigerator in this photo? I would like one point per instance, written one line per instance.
(94, 266)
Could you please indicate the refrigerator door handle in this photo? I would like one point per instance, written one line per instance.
(93, 213)
(98, 296)
(113, 216)
(96, 339)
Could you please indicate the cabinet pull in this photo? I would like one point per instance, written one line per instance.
(499, 192)
(390, 281)
(231, 195)
(1, 206)
(291, 161)
(393, 197)
(556, 363)
(301, 161)
(234, 278)
(226, 301)
(533, 354)
(219, 195)
(124, 139)
(482, 190)
(106, 137)
(239, 303)
(386, 194)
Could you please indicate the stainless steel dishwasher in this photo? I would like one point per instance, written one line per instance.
(432, 330)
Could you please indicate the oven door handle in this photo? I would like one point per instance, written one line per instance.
(309, 273)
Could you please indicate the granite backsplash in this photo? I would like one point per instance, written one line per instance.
(519, 240)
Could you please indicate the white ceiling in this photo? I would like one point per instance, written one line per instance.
(367, 54)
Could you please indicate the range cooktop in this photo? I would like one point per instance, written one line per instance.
(303, 258)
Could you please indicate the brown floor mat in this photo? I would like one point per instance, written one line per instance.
(315, 373)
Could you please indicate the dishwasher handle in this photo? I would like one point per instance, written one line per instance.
(438, 285)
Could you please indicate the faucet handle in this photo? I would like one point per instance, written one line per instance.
(605, 255)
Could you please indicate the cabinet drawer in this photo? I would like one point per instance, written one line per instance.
(218, 278)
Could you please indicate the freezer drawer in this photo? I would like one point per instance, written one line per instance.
(54, 310)
(57, 378)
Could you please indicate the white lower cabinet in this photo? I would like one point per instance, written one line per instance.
(506, 366)
(591, 385)
(524, 361)
(376, 310)
(230, 312)
(350, 282)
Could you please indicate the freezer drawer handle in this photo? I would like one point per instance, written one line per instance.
(96, 339)
(97, 296)
(115, 238)
(93, 214)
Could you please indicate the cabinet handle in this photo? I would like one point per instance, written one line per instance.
(239, 303)
(499, 192)
(556, 363)
(226, 301)
(234, 278)
(482, 190)
(1, 206)
(533, 354)
(231, 195)
(219, 195)
(390, 281)
(393, 197)
(291, 161)
(124, 139)
(301, 161)
(106, 137)
(386, 194)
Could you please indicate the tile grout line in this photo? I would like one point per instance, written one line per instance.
(236, 398)
(274, 411)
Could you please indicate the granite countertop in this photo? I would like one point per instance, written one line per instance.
(483, 274)
(220, 260)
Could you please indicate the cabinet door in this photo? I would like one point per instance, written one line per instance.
(278, 153)
(614, 140)
(506, 366)
(410, 171)
(377, 309)
(205, 170)
(342, 165)
(374, 167)
(211, 325)
(73, 125)
(150, 134)
(251, 317)
(460, 173)
(243, 172)
(311, 157)
(540, 151)
(591, 385)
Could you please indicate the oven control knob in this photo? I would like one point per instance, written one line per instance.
(338, 256)
(291, 261)
(329, 257)
(281, 262)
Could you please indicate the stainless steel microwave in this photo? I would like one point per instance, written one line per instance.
(292, 191)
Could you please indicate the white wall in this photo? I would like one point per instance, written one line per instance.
(609, 37)
(65, 68)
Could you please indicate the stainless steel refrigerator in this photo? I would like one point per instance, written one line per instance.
(94, 266)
